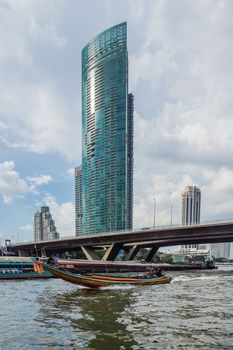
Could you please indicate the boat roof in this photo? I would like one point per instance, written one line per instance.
(101, 263)
(5, 259)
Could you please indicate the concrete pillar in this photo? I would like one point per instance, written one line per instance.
(23, 253)
(112, 252)
(151, 253)
(90, 253)
(132, 253)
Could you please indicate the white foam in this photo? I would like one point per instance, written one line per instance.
(183, 278)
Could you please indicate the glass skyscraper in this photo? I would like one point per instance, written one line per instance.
(107, 134)
(78, 200)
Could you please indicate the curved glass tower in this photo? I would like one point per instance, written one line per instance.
(107, 133)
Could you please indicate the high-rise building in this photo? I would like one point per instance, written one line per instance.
(221, 250)
(191, 210)
(44, 226)
(191, 205)
(130, 164)
(107, 134)
(78, 200)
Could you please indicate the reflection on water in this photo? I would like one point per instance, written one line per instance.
(194, 312)
(94, 316)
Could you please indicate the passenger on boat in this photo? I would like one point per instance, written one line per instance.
(150, 273)
(159, 272)
(154, 272)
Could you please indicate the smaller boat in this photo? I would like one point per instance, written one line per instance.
(97, 281)
(17, 268)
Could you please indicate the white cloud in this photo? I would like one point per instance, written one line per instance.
(35, 114)
(11, 185)
(182, 69)
(166, 190)
(70, 172)
(40, 124)
(27, 227)
(3, 125)
(39, 180)
(220, 180)
(218, 192)
(63, 214)
(25, 58)
(47, 34)
(137, 10)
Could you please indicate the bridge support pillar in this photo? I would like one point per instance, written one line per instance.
(151, 253)
(89, 253)
(112, 252)
(20, 252)
(132, 253)
(23, 253)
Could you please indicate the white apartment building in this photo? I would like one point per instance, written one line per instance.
(191, 205)
(191, 210)
(221, 250)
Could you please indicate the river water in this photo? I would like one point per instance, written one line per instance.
(194, 312)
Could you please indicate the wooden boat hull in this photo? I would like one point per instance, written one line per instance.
(100, 281)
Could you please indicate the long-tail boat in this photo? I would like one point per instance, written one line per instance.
(97, 280)
(100, 266)
(88, 266)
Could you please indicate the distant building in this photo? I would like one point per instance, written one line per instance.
(191, 210)
(44, 226)
(78, 200)
(191, 205)
(221, 250)
(191, 255)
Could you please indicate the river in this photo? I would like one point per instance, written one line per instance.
(194, 312)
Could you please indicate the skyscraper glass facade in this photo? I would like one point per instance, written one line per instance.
(78, 200)
(107, 133)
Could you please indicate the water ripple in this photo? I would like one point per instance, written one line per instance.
(194, 312)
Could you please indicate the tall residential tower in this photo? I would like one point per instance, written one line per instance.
(191, 205)
(78, 200)
(44, 226)
(191, 210)
(221, 250)
(107, 134)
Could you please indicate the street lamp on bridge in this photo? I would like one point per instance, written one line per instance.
(171, 213)
(154, 211)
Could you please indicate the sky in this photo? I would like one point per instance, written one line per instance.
(181, 74)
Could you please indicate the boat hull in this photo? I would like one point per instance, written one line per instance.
(100, 281)
(23, 276)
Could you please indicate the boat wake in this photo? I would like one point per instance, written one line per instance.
(114, 287)
(120, 287)
(183, 278)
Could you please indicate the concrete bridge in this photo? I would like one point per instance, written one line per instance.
(130, 241)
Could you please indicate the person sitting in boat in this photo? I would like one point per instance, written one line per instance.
(154, 272)
(150, 273)
(159, 272)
